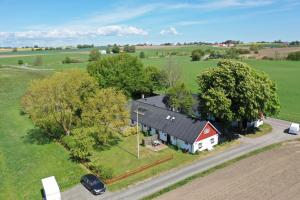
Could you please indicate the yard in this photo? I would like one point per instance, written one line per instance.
(123, 158)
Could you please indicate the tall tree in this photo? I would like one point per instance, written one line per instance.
(156, 79)
(106, 112)
(233, 91)
(123, 71)
(55, 103)
(180, 98)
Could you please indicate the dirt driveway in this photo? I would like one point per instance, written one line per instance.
(270, 175)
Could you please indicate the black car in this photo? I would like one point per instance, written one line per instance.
(93, 184)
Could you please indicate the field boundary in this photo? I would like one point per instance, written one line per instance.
(211, 170)
(138, 170)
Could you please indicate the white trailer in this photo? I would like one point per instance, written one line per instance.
(294, 128)
(51, 189)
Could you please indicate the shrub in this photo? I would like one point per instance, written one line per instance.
(142, 54)
(129, 131)
(197, 54)
(295, 56)
(69, 60)
(20, 62)
(104, 172)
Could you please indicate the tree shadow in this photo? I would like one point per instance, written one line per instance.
(112, 141)
(37, 136)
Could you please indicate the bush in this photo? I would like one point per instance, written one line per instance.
(197, 54)
(104, 172)
(20, 62)
(142, 54)
(295, 56)
(69, 60)
(129, 131)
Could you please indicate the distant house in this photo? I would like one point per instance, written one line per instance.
(190, 134)
(102, 52)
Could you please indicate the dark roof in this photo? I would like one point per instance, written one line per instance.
(159, 101)
(182, 126)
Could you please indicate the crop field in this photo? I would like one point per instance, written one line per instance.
(25, 156)
(269, 175)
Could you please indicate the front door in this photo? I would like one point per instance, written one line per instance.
(168, 139)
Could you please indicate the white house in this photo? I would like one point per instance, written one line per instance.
(174, 128)
(102, 52)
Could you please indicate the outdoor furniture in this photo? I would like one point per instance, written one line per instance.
(155, 142)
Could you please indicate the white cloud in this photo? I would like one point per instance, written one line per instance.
(189, 23)
(169, 31)
(67, 33)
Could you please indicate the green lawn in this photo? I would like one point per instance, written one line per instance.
(122, 158)
(24, 158)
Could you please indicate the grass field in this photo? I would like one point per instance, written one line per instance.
(24, 158)
(284, 73)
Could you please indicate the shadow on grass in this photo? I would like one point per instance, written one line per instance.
(37, 136)
(112, 141)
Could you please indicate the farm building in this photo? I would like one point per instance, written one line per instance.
(102, 52)
(190, 134)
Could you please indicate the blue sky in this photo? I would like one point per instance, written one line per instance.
(57, 23)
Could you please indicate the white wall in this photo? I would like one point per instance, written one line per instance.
(206, 143)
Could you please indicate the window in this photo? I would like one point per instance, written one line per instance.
(186, 143)
(200, 145)
(212, 140)
(206, 130)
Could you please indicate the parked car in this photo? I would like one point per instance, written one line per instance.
(294, 128)
(93, 184)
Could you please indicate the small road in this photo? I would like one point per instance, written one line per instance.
(157, 183)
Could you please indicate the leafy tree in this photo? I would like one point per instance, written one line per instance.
(38, 61)
(156, 79)
(106, 113)
(123, 72)
(108, 51)
(234, 91)
(115, 49)
(20, 62)
(294, 56)
(94, 55)
(129, 49)
(55, 103)
(81, 144)
(197, 54)
(142, 54)
(180, 98)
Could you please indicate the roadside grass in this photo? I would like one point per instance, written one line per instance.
(25, 156)
(211, 170)
(122, 158)
(262, 130)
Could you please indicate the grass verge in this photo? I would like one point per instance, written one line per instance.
(262, 130)
(211, 170)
